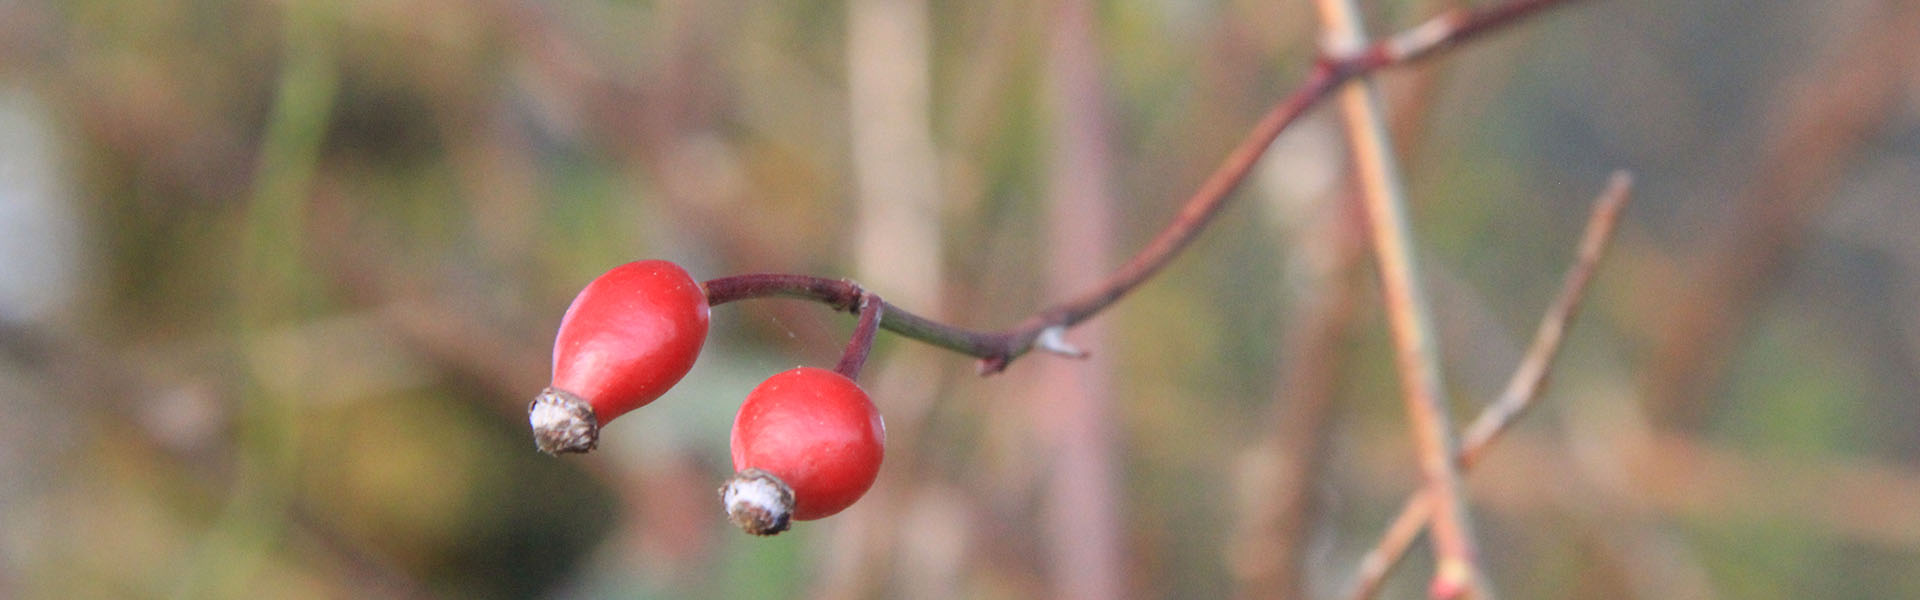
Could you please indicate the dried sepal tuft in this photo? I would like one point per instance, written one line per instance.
(562, 422)
(758, 502)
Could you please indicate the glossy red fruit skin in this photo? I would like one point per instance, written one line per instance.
(818, 432)
(629, 336)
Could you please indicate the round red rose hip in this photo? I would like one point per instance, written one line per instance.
(816, 435)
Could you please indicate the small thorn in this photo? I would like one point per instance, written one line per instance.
(1054, 339)
(990, 365)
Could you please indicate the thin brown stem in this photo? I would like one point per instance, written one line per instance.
(871, 309)
(1522, 390)
(1531, 376)
(996, 349)
(840, 294)
(1451, 28)
(845, 295)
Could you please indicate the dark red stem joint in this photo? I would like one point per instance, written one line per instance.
(861, 344)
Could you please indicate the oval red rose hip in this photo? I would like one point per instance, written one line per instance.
(630, 335)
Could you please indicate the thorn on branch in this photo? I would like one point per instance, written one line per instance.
(1054, 339)
(991, 365)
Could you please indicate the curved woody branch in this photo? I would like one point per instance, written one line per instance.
(996, 349)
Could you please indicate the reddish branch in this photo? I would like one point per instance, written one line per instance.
(996, 349)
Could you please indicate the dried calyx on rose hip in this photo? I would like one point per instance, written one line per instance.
(806, 444)
(627, 338)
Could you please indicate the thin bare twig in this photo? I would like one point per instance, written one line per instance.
(996, 349)
(1520, 394)
(1531, 376)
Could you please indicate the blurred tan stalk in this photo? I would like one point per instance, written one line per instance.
(1077, 415)
(1457, 566)
(897, 253)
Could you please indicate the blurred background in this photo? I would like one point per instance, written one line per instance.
(277, 280)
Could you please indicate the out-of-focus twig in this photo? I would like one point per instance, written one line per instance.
(1416, 353)
(1531, 376)
(1521, 391)
(1280, 501)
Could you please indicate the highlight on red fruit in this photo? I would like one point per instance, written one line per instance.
(807, 443)
(627, 338)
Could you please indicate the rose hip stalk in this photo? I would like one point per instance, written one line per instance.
(627, 338)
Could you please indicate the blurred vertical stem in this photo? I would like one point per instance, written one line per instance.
(897, 248)
(1083, 513)
(1417, 355)
(895, 162)
(267, 284)
(1280, 476)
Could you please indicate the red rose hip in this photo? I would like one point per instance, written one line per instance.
(627, 338)
(807, 443)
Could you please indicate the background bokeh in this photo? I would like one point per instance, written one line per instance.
(278, 278)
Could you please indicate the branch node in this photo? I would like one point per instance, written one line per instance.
(856, 298)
